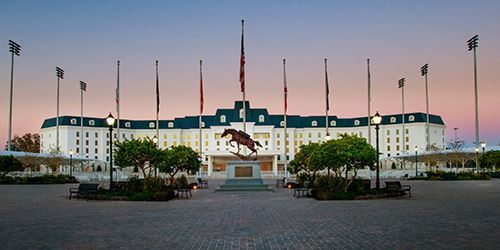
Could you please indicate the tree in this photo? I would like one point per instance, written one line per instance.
(141, 153)
(305, 161)
(178, 159)
(54, 160)
(491, 159)
(26, 143)
(9, 164)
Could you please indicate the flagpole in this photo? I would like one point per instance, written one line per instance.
(157, 110)
(242, 77)
(285, 90)
(200, 121)
(369, 103)
(118, 99)
(327, 105)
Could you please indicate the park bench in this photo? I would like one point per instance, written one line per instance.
(395, 188)
(84, 189)
(280, 181)
(202, 183)
(181, 191)
(304, 190)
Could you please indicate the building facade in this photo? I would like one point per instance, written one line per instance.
(266, 128)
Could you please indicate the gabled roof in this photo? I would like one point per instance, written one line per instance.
(252, 115)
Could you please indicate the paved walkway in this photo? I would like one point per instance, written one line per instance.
(452, 215)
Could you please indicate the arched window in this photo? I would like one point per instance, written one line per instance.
(314, 123)
(91, 122)
(127, 124)
(73, 121)
(356, 122)
(282, 123)
(170, 124)
(411, 118)
(333, 123)
(261, 118)
(222, 118)
(151, 125)
(393, 119)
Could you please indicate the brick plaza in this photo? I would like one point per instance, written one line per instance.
(450, 215)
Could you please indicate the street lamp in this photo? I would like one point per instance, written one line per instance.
(328, 137)
(155, 141)
(60, 75)
(477, 159)
(71, 162)
(416, 161)
(424, 71)
(376, 120)
(483, 146)
(14, 48)
(110, 120)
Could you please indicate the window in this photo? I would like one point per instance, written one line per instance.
(96, 151)
(86, 142)
(319, 135)
(407, 147)
(202, 124)
(282, 123)
(309, 135)
(356, 122)
(96, 142)
(91, 122)
(151, 125)
(77, 150)
(397, 139)
(206, 143)
(278, 135)
(170, 124)
(407, 131)
(132, 137)
(407, 139)
(87, 150)
(73, 121)
(222, 118)
(96, 135)
(388, 140)
(123, 136)
(333, 123)
(300, 135)
(277, 143)
(411, 118)
(388, 132)
(261, 118)
(87, 134)
(241, 113)
(397, 131)
(127, 124)
(165, 144)
(175, 137)
(314, 123)
(77, 142)
(388, 148)
(393, 119)
(397, 148)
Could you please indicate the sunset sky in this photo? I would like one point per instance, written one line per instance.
(85, 38)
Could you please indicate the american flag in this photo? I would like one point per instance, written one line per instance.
(242, 61)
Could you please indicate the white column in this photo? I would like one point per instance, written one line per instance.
(275, 165)
(210, 166)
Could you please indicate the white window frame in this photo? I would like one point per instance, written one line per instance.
(261, 118)
(91, 123)
(73, 121)
(393, 119)
(222, 118)
(356, 122)
(411, 118)
(151, 125)
(170, 124)
(314, 123)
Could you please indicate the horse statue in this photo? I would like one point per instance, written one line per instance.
(241, 138)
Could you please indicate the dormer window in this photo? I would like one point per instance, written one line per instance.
(151, 125)
(222, 118)
(411, 118)
(261, 118)
(241, 113)
(393, 119)
(127, 124)
(73, 121)
(202, 124)
(170, 124)
(91, 122)
(333, 123)
(314, 123)
(356, 122)
(282, 123)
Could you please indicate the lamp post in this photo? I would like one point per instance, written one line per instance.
(483, 146)
(155, 141)
(14, 48)
(477, 160)
(472, 45)
(110, 120)
(424, 71)
(401, 85)
(376, 120)
(71, 162)
(416, 161)
(60, 75)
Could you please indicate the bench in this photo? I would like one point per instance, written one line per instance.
(181, 191)
(395, 188)
(304, 190)
(84, 189)
(202, 183)
(280, 181)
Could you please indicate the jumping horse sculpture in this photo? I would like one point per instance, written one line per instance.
(241, 138)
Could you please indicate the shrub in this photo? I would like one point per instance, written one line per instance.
(182, 181)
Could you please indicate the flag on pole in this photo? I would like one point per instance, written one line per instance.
(285, 86)
(327, 89)
(201, 89)
(118, 89)
(157, 90)
(242, 61)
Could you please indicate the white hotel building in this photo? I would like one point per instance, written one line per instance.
(261, 126)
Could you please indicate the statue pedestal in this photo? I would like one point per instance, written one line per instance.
(243, 176)
(243, 170)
